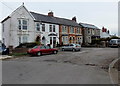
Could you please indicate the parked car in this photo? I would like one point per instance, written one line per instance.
(72, 47)
(40, 50)
(114, 43)
(4, 50)
(0, 50)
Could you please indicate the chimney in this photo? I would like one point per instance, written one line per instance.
(74, 18)
(50, 14)
(103, 29)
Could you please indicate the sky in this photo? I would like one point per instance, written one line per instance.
(98, 13)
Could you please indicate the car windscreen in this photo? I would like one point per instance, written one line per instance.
(47, 47)
(35, 47)
(77, 45)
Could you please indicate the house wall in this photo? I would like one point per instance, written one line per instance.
(6, 33)
(13, 33)
(47, 33)
(68, 35)
(104, 34)
(88, 33)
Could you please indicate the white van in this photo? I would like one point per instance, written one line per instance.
(114, 43)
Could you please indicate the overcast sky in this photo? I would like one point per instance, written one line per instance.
(97, 13)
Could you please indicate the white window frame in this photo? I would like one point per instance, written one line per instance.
(43, 27)
(24, 39)
(72, 29)
(52, 28)
(37, 26)
(21, 25)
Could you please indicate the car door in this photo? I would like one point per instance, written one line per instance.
(48, 49)
(42, 49)
(70, 46)
(67, 47)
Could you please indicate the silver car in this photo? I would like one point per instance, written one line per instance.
(72, 47)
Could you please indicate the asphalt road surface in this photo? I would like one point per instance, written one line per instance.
(88, 66)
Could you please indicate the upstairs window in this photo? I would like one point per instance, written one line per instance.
(37, 26)
(71, 29)
(43, 27)
(50, 28)
(23, 23)
(64, 29)
(78, 30)
(53, 28)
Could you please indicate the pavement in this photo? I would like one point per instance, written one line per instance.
(2, 57)
(114, 73)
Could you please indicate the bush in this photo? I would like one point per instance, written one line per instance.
(27, 45)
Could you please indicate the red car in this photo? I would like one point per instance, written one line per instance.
(39, 50)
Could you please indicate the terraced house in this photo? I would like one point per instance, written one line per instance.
(70, 32)
(89, 32)
(24, 26)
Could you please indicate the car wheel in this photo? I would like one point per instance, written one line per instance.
(73, 50)
(39, 53)
(55, 52)
(63, 49)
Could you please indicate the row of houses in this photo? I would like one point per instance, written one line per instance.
(24, 26)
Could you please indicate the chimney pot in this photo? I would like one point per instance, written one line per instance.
(50, 14)
(74, 18)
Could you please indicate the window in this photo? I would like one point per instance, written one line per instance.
(43, 27)
(42, 47)
(71, 45)
(70, 38)
(71, 29)
(3, 27)
(65, 40)
(37, 26)
(78, 30)
(50, 28)
(35, 47)
(25, 39)
(64, 29)
(47, 47)
(19, 24)
(22, 24)
(53, 28)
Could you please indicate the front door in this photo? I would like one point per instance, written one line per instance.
(53, 42)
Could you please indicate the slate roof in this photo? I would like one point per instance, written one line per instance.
(88, 26)
(55, 20)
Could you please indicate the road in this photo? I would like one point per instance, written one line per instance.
(88, 66)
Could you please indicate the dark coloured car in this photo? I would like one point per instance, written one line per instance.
(40, 50)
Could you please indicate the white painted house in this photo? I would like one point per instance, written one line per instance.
(104, 33)
(23, 26)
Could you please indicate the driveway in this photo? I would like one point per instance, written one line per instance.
(88, 66)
